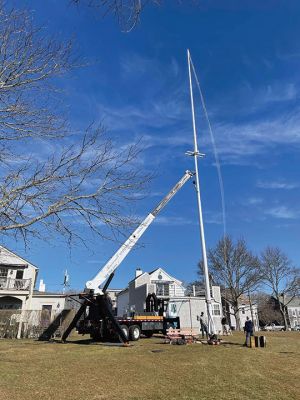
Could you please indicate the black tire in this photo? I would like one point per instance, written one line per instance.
(125, 330)
(148, 334)
(134, 332)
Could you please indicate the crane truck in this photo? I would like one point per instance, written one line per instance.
(95, 315)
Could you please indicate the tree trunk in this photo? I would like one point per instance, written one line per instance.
(283, 313)
(237, 316)
(251, 311)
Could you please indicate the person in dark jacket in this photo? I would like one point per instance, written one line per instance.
(248, 329)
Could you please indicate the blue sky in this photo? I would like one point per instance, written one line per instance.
(247, 57)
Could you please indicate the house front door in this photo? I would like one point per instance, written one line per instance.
(46, 315)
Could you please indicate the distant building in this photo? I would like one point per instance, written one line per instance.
(292, 308)
(246, 309)
(293, 311)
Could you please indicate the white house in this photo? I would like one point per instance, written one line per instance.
(293, 310)
(19, 301)
(17, 280)
(158, 281)
(172, 300)
(246, 309)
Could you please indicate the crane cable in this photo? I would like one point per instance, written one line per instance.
(216, 155)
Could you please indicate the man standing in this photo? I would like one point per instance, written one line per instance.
(203, 326)
(248, 329)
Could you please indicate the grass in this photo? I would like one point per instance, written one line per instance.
(31, 370)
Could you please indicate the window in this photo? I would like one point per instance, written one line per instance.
(216, 309)
(19, 274)
(162, 289)
(173, 308)
(3, 272)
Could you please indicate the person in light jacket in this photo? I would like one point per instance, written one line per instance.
(203, 326)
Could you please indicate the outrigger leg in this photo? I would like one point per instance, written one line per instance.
(74, 321)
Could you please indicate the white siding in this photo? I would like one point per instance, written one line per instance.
(188, 308)
(57, 303)
(244, 312)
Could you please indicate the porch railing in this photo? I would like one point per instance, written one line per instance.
(14, 284)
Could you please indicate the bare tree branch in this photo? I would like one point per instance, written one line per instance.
(83, 182)
(126, 12)
(88, 184)
(28, 61)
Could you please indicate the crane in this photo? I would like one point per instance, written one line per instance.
(101, 322)
(119, 256)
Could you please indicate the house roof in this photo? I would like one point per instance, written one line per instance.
(155, 270)
(9, 258)
(171, 278)
(132, 280)
(37, 293)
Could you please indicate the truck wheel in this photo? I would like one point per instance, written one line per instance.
(134, 332)
(125, 330)
(148, 334)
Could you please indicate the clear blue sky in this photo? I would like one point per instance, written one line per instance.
(248, 60)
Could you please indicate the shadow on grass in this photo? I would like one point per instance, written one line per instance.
(91, 342)
(232, 344)
(79, 341)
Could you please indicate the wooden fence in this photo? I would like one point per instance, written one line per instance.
(34, 324)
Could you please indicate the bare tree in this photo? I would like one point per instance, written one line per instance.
(82, 180)
(281, 277)
(236, 269)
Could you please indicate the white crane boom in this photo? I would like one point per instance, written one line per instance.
(126, 247)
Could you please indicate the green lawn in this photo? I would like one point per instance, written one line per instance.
(31, 370)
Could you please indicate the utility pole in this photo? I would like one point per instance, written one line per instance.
(196, 154)
(66, 281)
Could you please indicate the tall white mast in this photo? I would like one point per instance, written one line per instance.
(196, 154)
